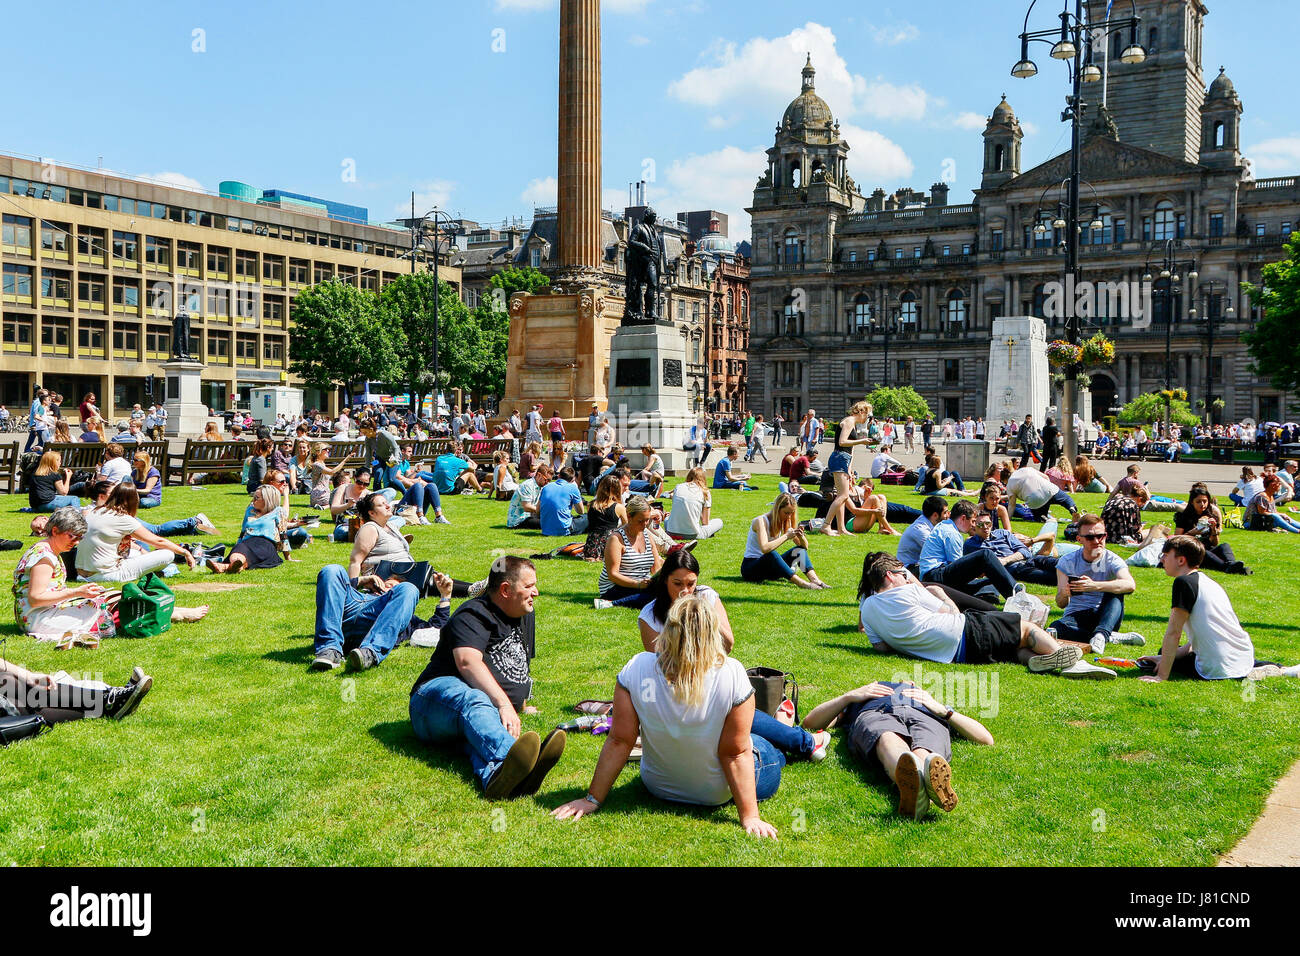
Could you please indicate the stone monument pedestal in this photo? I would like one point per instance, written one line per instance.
(647, 393)
(1019, 381)
(186, 413)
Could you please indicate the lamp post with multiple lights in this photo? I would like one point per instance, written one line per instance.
(1072, 42)
(1212, 293)
(1166, 285)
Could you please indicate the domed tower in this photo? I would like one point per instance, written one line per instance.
(1221, 125)
(808, 149)
(1002, 139)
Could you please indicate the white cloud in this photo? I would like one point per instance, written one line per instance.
(179, 180)
(541, 192)
(1278, 155)
(1029, 126)
(722, 180)
(637, 39)
(970, 120)
(884, 100)
(875, 159)
(895, 34)
(431, 194)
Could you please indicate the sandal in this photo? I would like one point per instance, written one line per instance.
(598, 707)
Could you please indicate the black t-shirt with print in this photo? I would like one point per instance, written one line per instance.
(507, 645)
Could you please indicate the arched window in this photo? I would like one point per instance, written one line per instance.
(861, 313)
(731, 304)
(907, 309)
(956, 306)
(1164, 222)
(744, 306)
(999, 158)
(1218, 135)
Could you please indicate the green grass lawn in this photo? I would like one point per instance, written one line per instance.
(241, 756)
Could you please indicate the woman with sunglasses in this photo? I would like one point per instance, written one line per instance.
(44, 606)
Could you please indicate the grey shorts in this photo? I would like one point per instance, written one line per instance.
(914, 725)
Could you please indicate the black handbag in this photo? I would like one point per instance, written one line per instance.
(770, 689)
(20, 728)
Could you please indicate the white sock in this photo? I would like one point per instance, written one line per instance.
(1292, 671)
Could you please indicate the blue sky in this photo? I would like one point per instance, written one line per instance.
(456, 100)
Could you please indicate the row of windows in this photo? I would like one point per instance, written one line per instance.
(902, 372)
(56, 334)
(192, 217)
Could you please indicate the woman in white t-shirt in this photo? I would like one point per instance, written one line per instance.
(693, 708)
(678, 578)
(104, 554)
(691, 504)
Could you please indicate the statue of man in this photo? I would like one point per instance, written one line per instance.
(644, 255)
(181, 336)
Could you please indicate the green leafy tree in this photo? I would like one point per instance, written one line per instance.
(1273, 344)
(337, 338)
(1150, 408)
(406, 307)
(898, 403)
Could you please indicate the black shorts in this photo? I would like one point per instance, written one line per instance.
(914, 725)
(990, 637)
(461, 483)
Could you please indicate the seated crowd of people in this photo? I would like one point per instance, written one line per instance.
(683, 705)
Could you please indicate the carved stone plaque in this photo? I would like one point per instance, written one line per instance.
(672, 373)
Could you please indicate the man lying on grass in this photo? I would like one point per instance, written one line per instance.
(900, 614)
(1218, 647)
(907, 732)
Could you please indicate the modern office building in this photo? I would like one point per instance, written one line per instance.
(95, 266)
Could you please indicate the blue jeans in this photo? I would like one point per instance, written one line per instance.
(775, 567)
(1081, 623)
(1236, 499)
(37, 436)
(1060, 498)
(345, 616)
(446, 710)
(956, 480)
(790, 740)
(733, 485)
(1040, 569)
(971, 573)
(383, 477)
(297, 537)
(640, 487)
(150, 503)
(60, 501)
(901, 514)
(768, 762)
(628, 597)
(422, 495)
(177, 526)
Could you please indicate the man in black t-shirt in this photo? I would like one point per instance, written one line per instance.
(478, 679)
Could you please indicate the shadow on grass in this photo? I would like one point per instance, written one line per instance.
(865, 649)
(299, 655)
(398, 737)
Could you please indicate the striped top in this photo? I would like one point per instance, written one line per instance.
(634, 564)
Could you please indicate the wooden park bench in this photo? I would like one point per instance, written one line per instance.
(89, 455)
(9, 456)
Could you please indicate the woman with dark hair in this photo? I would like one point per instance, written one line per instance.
(606, 515)
(678, 577)
(1262, 513)
(257, 464)
(105, 554)
(991, 504)
(1203, 520)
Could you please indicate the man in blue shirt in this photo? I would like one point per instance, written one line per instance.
(943, 559)
(1012, 550)
(933, 510)
(555, 506)
(1090, 585)
(454, 474)
(723, 477)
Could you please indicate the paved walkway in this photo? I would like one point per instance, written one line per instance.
(1274, 840)
(1164, 478)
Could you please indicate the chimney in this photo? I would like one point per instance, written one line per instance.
(939, 194)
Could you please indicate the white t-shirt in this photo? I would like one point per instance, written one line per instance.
(1222, 647)
(880, 464)
(1249, 489)
(680, 744)
(648, 612)
(1031, 486)
(116, 470)
(912, 621)
(104, 532)
(687, 507)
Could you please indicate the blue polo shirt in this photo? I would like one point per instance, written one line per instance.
(1001, 542)
(722, 472)
(555, 507)
(446, 470)
(944, 546)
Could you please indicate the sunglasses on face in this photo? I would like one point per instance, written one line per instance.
(1093, 537)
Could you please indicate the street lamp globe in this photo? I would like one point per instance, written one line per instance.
(1133, 54)
(1064, 49)
(1024, 69)
(1091, 73)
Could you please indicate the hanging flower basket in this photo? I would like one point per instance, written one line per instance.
(1098, 350)
(1061, 354)
(1174, 394)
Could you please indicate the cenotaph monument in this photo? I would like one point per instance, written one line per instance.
(1019, 381)
(560, 341)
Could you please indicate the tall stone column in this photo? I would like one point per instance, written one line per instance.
(579, 169)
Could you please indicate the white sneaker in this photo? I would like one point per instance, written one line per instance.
(1293, 671)
(1063, 656)
(441, 519)
(467, 493)
(1131, 638)
(426, 637)
(204, 525)
(600, 604)
(822, 741)
(1085, 671)
(1098, 644)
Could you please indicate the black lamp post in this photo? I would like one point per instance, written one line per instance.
(419, 237)
(1166, 285)
(1071, 43)
(1212, 293)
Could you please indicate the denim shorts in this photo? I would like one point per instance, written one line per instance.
(841, 461)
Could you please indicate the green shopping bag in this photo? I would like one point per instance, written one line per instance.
(145, 609)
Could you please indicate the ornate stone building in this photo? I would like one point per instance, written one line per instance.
(835, 272)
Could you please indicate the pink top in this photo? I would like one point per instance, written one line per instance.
(1061, 479)
(555, 424)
